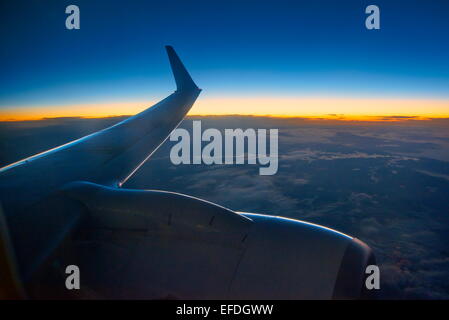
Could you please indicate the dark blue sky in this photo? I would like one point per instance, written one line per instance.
(232, 48)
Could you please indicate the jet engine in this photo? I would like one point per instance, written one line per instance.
(146, 244)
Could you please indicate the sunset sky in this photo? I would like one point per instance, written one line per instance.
(282, 58)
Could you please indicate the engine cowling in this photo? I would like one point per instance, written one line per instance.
(148, 244)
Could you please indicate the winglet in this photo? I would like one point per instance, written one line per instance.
(182, 77)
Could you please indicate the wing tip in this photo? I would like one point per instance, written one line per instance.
(182, 77)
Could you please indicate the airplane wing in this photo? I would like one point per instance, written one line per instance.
(108, 157)
(68, 207)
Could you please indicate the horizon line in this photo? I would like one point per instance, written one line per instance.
(361, 109)
(318, 117)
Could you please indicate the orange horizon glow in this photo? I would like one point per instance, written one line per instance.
(359, 109)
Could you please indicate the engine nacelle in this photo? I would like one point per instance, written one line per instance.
(148, 244)
(294, 259)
